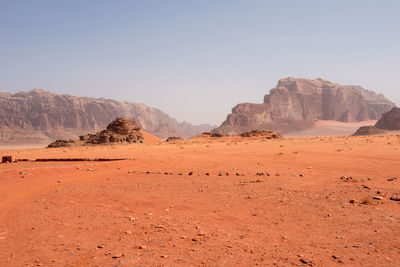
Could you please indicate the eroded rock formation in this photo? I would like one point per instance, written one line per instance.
(121, 130)
(295, 104)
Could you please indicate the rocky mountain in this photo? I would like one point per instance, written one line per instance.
(389, 120)
(295, 104)
(38, 116)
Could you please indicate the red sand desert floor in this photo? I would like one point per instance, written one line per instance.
(205, 202)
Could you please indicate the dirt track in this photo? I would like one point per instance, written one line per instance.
(149, 211)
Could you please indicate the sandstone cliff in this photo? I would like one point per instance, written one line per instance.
(296, 104)
(38, 116)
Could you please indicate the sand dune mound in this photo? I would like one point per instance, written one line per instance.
(121, 130)
(149, 138)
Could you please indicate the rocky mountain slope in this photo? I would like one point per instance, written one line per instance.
(390, 120)
(38, 116)
(368, 130)
(295, 104)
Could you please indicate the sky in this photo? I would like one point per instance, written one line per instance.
(195, 60)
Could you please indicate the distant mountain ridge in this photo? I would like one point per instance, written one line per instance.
(38, 116)
(295, 104)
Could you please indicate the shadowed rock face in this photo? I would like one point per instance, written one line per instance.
(121, 130)
(295, 104)
(390, 120)
(368, 130)
(38, 116)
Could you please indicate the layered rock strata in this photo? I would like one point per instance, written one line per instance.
(295, 104)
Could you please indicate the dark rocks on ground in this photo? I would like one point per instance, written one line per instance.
(174, 139)
(261, 133)
(65, 143)
(368, 130)
(347, 179)
(395, 197)
(209, 134)
(121, 130)
(253, 133)
(7, 159)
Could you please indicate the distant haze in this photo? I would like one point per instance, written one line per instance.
(195, 60)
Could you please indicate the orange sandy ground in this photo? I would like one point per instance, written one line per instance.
(114, 213)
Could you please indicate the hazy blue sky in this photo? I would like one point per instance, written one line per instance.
(196, 59)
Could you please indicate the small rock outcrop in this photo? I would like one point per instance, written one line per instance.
(368, 130)
(174, 139)
(7, 159)
(121, 130)
(211, 134)
(261, 133)
(295, 104)
(256, 134)
(389, 120)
